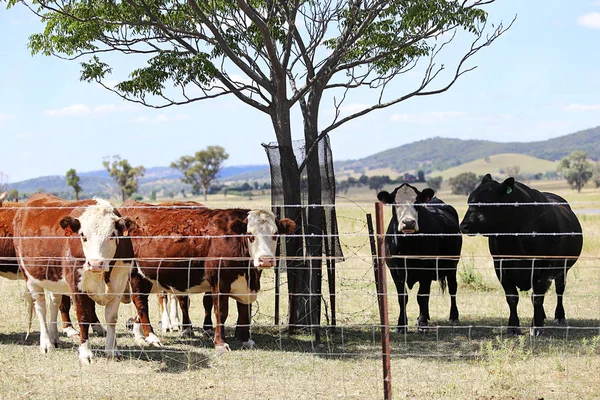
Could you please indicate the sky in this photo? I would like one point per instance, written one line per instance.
(540, 80)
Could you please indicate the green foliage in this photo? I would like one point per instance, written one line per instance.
(73, 181)
(596, 174)
(469, 277)
(124, 174)
(153, 195)
(464, 183)
(202, 168)
(377, 182)
(576, 169)
(435, 182)
(13, 195)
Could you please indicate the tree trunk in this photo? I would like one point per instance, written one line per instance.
(205, 192)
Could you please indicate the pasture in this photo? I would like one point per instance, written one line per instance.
(472, 360)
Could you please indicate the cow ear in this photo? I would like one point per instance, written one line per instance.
(286, 226)
(486, 178)
(70, 225)
(426, 195)
(124, 225)
(508, 185)
(238, 226)
(385, 197)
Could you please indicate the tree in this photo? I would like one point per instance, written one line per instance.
(73, 181)
(464, 183)
(202, 168)
(576, 169)
(124, 174)
(377, 182)
(596, 174)
(271, 55)
(420, 176)
(435, 182)
(514, 171)
(13, 195)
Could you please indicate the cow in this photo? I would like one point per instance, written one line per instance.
(9, 269)
(423, 244)
(192, 249)
(534, 237)
(76, 248)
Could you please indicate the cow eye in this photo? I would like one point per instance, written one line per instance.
(83, 238)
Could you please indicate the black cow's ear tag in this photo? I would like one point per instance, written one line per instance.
(508, 190)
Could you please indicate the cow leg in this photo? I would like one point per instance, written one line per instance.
(221, 304)
(207, 302)
(55, 300)
(559, 313)
(111, 313)
(174, 313)
(84, 307)
(39, 304)
(96, 325)
(184, 303)
(423, 300)
(452, 287)
(402, 300)
(165, 320)
(242, 328)
(65, 307)
(512, 298)
(142, 330)
(537, 298)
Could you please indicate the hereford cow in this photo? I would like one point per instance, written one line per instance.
(531, 244)
(186, 249)
(423, 244)
(77, 248)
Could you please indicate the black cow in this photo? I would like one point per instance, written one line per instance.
(413, 254)
(548, 243)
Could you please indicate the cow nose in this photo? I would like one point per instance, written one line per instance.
(409, 224)
(95, 265)
(265, 262)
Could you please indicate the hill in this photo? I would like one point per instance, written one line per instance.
(496, 165)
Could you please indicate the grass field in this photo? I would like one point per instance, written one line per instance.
(472, 360)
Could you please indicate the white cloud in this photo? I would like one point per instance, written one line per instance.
(82, 109)
(582, 107)
(160, 118)
(7, 117)
(428, 117)
(590, 20)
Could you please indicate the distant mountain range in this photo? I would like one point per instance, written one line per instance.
(430, 155)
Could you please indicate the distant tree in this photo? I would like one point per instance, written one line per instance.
(576, 169)
(464, 183)
(420, 176)
(550, 175)
(363, 180)
(596, 174)
(435, 182)
(377, 182)
(183, 193)
(13, 195)
(538, 176)
(352, 182)
(73, 181)
(153, 195)
(514, 171)
(245, 187)
(124, 174)
(343, 186)
(202, 168)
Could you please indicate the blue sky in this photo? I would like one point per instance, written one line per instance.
(540, 80)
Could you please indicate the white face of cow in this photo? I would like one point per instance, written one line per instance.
(408, 218)
(262, 233)
(98, 233)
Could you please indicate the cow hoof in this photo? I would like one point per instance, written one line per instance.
(85, 355)
(70, 332)
(513, 331)
(188, 332)
(401, 329)
(153, 340)
(560, 322)
(422, 329)
(249, 345)
(453, 321)
(115, 355)
(224, 348)
(209, 332)
(99, 329)
(536, 331)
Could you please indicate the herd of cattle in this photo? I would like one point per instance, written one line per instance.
(88, 252)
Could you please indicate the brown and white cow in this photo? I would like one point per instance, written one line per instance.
(185, 249)
(9, 269)
(76, 248)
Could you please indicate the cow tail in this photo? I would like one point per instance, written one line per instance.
(29, 301)
(443, 284)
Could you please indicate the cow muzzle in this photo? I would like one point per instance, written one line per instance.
(96, 266)
(264, 262)
(408, 226)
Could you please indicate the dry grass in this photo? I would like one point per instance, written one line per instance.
(473, 360)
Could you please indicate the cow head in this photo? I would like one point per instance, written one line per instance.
(98, 228)
(486, 219)
(404, 198)
(262, 229)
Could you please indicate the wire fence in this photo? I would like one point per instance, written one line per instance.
(458, 358)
